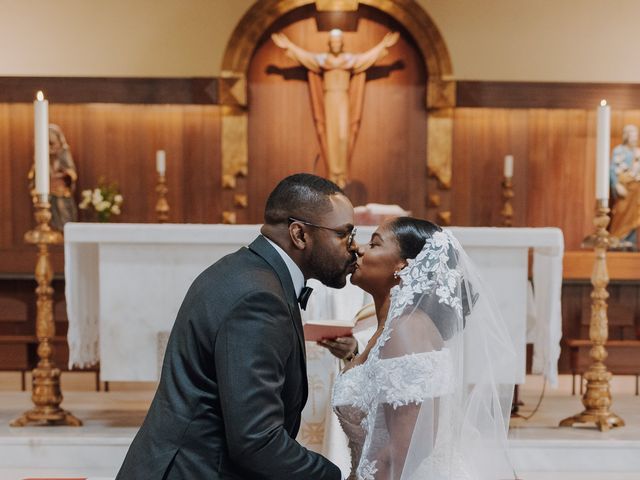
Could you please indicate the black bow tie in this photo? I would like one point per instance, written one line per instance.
(303, 298)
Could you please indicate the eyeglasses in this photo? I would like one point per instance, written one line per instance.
(350, 234)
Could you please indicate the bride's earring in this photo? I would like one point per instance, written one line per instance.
(396, 274)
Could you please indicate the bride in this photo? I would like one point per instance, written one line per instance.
(429, 397)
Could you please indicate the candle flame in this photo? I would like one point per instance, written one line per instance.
(40, 95)
(603, 103)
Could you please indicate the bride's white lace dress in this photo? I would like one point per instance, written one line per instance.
(411, 378)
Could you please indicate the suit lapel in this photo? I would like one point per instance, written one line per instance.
(262, 247)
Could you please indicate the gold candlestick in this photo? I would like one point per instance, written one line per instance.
(46, 394)
(507, 209)
(162, 205)
(597, 397)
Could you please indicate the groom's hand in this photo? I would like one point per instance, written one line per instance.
(341, 347)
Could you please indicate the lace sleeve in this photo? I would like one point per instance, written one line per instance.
(414, 377)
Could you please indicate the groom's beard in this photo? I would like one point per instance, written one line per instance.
(329, 270)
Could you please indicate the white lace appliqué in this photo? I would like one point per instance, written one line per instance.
(413, 378)
(429, 271)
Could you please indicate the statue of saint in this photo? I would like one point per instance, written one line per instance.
(336, 84)
(624, 175)
(63, 177)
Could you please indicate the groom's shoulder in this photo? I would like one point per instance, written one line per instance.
(244, 269)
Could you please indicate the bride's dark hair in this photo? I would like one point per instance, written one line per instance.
(411, 234)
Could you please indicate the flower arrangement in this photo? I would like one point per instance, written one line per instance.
(105, 200)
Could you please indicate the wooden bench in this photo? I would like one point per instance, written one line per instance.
(614, 348)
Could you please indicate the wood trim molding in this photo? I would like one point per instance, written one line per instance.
(227, 90)
(485, 94)
(578, 265)
(196, 91)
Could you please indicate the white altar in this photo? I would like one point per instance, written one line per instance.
(125, 284)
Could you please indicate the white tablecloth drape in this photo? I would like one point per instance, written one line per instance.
(546, 335)
(125, 283)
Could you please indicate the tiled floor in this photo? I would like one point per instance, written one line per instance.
(111, 419)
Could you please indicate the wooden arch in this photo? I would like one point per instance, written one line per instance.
(233, 89)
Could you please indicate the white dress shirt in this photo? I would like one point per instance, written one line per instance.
(296, 274)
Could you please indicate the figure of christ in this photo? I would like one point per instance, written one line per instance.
(336, 83)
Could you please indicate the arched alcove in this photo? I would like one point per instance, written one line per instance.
(438, 96)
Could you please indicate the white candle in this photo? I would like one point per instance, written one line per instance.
(602, 150)
(508, 166)
(41, 143)
(161, 162)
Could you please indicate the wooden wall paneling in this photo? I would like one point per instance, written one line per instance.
(556, 95)
(518, 146)
(562, 172)
(462, 162)
(78, 90)
(622, 311)
(6, 204)
(499, 121)
(489, 145)
(483, 185)
(588, 181)
(201, 157)
(537, 186)
(553, 174)
(129, 146)
(576, 191)
(482, 137)
(554, 167)
(118, 142)
(16, 306)
(91, 149)
(21, 157)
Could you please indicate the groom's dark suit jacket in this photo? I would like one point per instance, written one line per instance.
(233, 381)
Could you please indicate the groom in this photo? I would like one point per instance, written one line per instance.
(234, 380)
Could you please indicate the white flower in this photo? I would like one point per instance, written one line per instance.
(102, 206)
(115, 209)
(86, 201)
(118, 200)
(96, 198)
(86, 194)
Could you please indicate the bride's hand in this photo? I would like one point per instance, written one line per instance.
(341, 347)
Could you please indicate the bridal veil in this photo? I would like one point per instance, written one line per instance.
(438, 399)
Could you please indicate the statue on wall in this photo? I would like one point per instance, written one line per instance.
(63, 179)
(336, 84)
(625, 187)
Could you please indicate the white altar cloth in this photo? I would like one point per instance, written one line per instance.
(125, 284)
